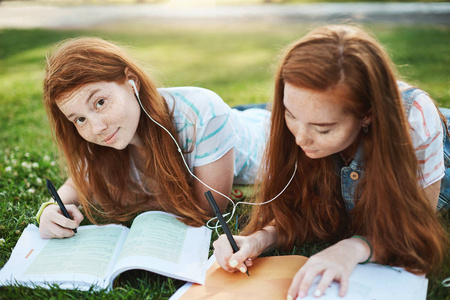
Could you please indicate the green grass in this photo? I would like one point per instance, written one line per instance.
(209, 2)
(236, 61)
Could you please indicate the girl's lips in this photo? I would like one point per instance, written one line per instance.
(111, 139)
(308, 151)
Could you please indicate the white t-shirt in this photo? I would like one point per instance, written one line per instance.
(208, 127)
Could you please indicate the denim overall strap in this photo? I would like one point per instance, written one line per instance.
(350, 177)
(444, 194)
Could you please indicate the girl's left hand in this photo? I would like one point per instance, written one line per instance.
(334, 263)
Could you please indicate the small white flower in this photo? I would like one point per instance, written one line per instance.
(35, 165)
(8, 169)
(14, 162)
(53, 163)
(2, 241)
(27, 154)
(31, 191)
(16, 148)
(26, 165)
(38, 180)
(46, 158)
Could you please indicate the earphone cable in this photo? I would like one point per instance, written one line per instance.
(190, 172)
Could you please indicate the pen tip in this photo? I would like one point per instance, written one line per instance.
(248, 274)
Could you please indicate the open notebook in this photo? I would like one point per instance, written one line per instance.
(270, 278)
(157, 242)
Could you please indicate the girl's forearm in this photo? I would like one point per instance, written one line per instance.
(362, 249)
(266, 239)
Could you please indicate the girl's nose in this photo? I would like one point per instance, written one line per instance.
(302, 139)
(98, 126)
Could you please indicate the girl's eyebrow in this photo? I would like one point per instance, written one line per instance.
(87, 100)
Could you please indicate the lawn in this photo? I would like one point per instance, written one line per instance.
(233, 60)
(208, 2)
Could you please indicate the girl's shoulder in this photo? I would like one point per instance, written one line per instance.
(197, 101)
(410, 93)
(416, 100)
(422, 114)
(190, 94)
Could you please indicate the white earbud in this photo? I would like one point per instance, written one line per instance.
(131, 81)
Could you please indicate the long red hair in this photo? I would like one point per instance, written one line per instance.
(101, 174)
(391, 209)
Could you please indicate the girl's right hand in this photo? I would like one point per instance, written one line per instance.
(250, 247)
(53, 224)
(232, 262)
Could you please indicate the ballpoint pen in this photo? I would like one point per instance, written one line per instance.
(225, 228)
(51, 189)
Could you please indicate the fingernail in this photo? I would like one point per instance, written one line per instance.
(243, 270)
(233, 263)
(317, 293)
(302, 294)
(289, 297)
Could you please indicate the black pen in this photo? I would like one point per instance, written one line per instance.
(51, 189)
(225, 228)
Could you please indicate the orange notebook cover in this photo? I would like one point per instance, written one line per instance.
(272, 274)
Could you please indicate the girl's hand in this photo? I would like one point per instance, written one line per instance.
(250, 247)
(232, 262)
(53, 224)
(334, 263)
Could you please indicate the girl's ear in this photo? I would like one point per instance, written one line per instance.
(367, 120)
(130, 75)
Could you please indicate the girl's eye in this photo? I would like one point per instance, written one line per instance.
(80, 120)
(288, 115)
(100, 103)
(324, 132)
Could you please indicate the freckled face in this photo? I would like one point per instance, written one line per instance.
(318, 120)
(104, 113)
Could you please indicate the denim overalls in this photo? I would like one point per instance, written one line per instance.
(351, 174)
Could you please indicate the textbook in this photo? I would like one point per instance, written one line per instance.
(270, 278)
(156, 242)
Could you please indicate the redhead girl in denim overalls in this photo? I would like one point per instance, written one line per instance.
(368, 156)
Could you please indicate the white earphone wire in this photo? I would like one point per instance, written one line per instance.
(192, 174)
